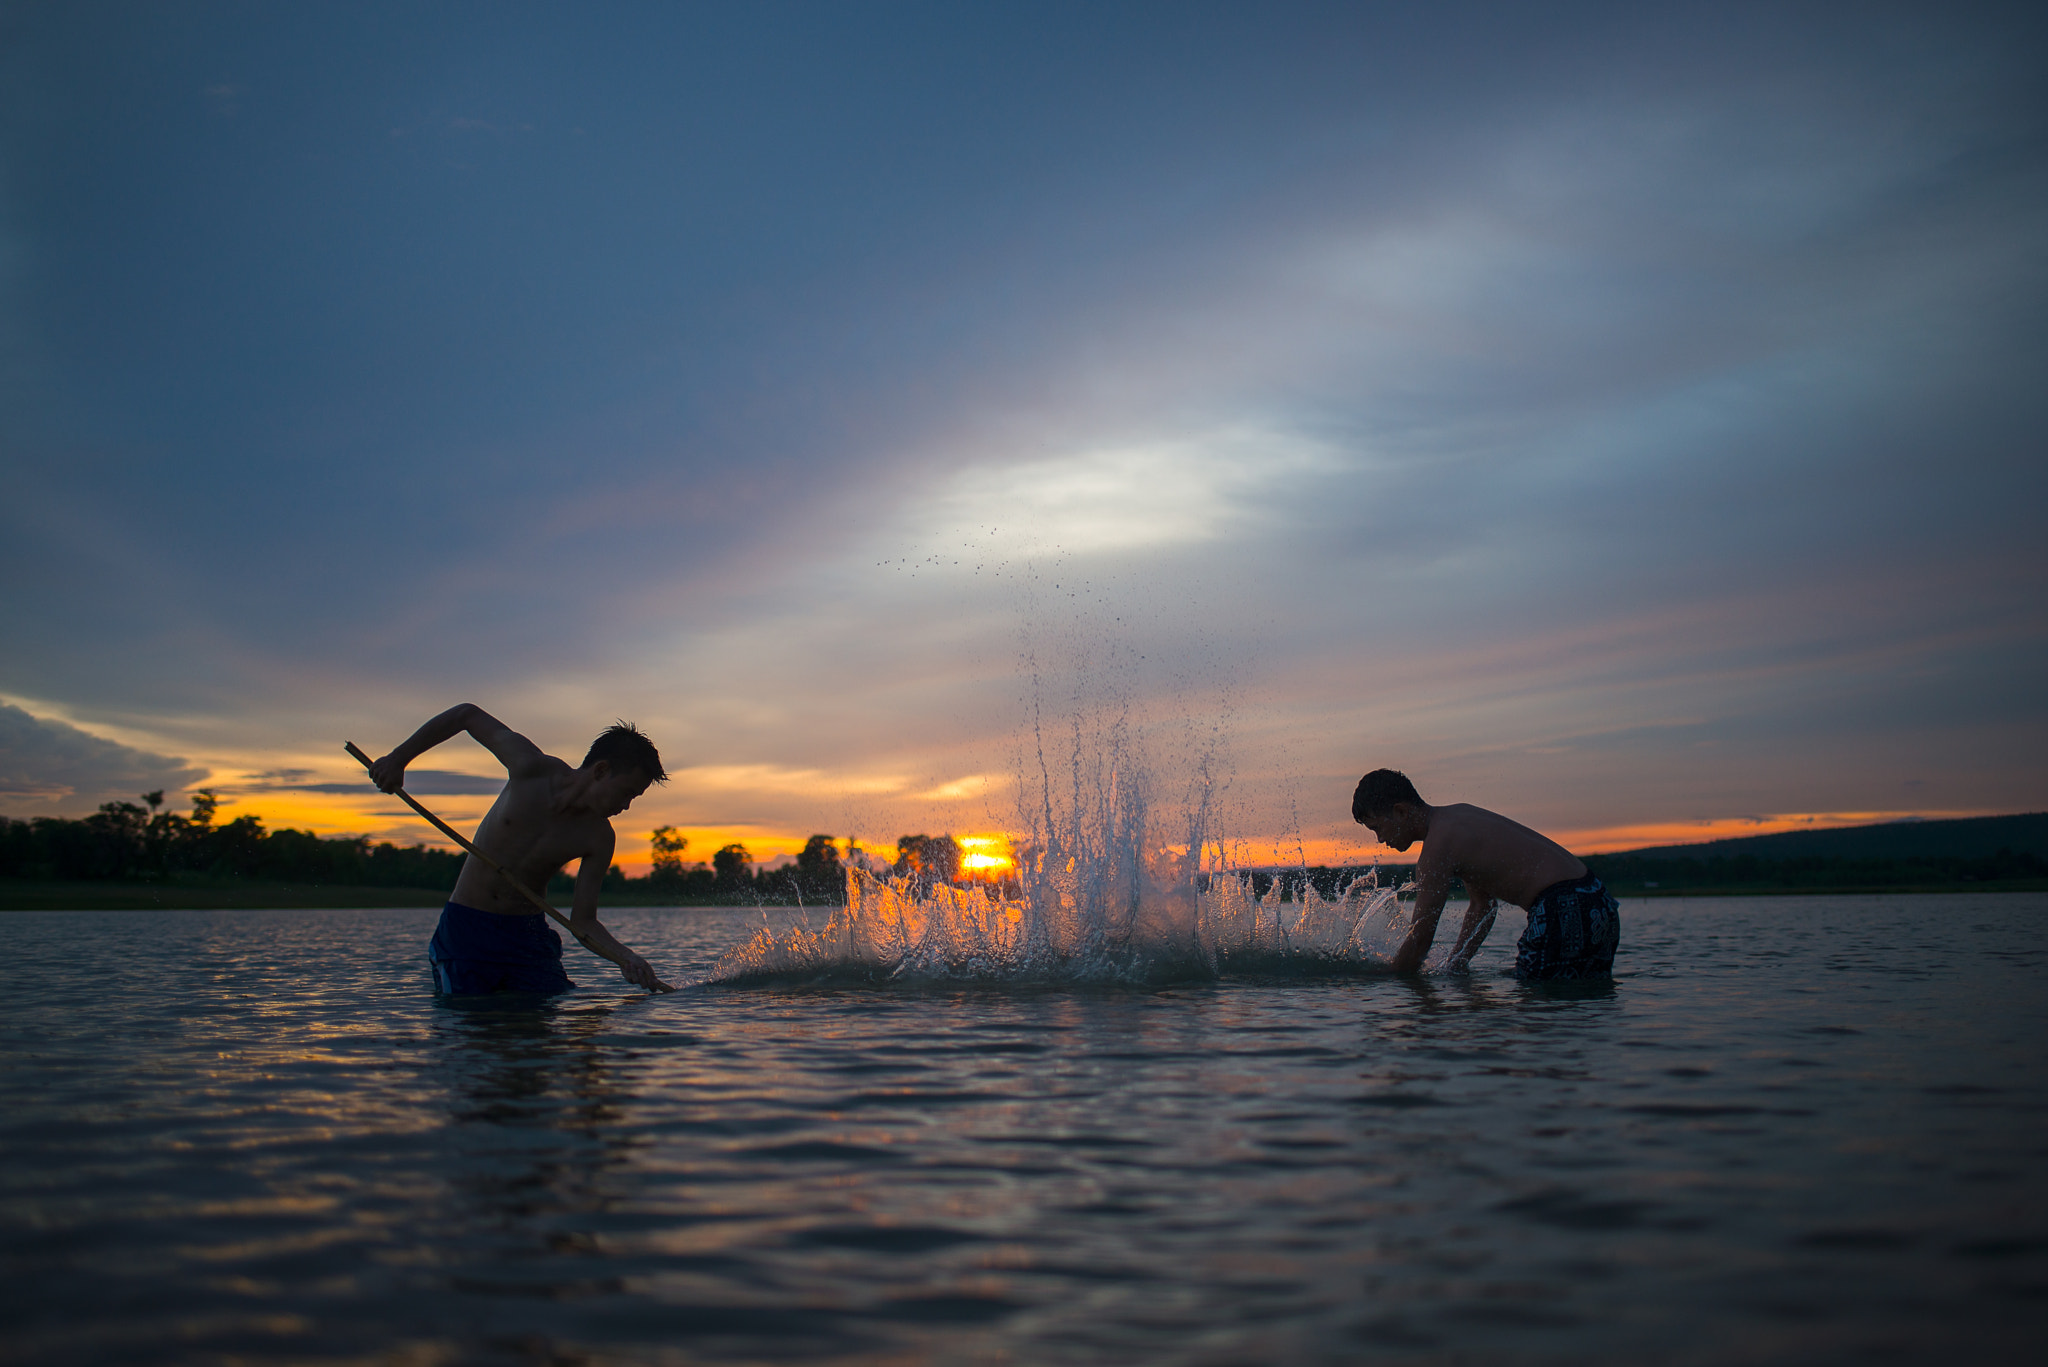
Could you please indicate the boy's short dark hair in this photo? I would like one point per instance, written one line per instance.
(625, 747)
(1379, 790)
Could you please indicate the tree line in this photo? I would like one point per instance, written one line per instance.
(124, 841)
(131, 842)
(146, 842)
(818, 875)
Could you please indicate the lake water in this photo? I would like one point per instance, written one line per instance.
(1792, 1130)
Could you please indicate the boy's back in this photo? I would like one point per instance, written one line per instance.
(1486, 850)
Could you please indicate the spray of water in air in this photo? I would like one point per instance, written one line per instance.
(1121, 874)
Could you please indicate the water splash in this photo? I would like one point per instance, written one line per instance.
(1069, 925)
(1119, 876)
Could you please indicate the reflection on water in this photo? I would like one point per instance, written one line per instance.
(1790, 1129)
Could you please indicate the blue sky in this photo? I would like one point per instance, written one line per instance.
(1631, 421)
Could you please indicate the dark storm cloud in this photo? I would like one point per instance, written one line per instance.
(49, 767)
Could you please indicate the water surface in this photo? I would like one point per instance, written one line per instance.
(1792, 1130)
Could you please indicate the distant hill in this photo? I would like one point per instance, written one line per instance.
(1974, 853)
(1975, 837)
(1971, 854)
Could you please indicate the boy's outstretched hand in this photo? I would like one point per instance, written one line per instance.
(632, 967)
(637, 970)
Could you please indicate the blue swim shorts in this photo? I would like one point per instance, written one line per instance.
(1573, 929)
(474, 952)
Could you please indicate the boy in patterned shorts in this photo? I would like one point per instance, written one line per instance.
(1574, 924)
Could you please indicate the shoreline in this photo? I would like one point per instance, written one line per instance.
(57, 895)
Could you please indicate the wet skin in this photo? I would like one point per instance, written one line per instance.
(547, 815)
(1498, 860)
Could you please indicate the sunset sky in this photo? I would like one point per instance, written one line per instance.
(1626, 417)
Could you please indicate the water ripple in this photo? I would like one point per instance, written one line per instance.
(253, 1136)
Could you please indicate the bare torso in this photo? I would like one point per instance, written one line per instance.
(533, 836)
(1494, 857)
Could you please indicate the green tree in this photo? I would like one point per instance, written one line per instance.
(927, 859)
(819, 874)
(729, 867)
(668, 845)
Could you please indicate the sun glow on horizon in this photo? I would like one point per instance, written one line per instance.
(986, 856)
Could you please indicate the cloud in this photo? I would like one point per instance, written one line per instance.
(54, 768)
(1615, 440)
(974, 785)
(769, 778)
(468, 125)
(1133, 496)
(418, 782)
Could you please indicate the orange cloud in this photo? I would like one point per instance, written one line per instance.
(350, 814)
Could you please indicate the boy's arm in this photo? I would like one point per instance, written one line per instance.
(1432, 888)
(1478, 920)
(520, 756)
(588, 929)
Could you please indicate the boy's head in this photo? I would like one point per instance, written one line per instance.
(630, 761)
(1388, 803)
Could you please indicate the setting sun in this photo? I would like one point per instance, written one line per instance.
(985, 856)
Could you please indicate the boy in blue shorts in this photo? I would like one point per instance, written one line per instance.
(490, 938)
(1574, 925)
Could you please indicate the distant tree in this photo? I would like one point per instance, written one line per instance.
(668, 846)
(114, 844)
(729, 867)
(819, 874)
(174, 842)
(926, 859)
(237, 847)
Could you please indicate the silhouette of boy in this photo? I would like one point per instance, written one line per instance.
(1574, 925)
(491, 939)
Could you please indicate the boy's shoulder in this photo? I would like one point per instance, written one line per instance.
(1459, 818)
(542, 767)
(1460, 827)
(1475, 834)
(536, 782)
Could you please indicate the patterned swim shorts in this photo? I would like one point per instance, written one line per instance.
(1574, 927)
